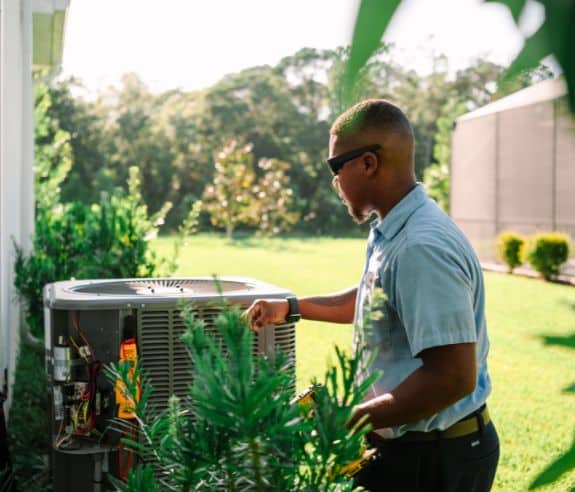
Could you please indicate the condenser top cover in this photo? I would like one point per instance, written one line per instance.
(141, 292)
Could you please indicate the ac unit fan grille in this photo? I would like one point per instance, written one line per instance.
(165, 359)
(162, 287)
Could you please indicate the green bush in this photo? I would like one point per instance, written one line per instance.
(108, 239)
(547, 252)
(510, 248)
(28, 426)
(238, 429)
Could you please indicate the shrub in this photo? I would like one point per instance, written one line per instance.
(547, 252)
(238, 429)
(436, 179)
(510, 248)
(108, 239)
(28, 426)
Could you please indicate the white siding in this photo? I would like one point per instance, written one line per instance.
(16, 164)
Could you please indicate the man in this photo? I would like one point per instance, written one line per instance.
(428, 409)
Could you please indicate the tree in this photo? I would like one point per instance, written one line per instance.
(139, 141)
(237, 196)
(274, 198)
(437, 176)
(265, 106)
(191, 166)
(52, 151)
(229, 199)
(511, 83)
(305, 73)
(554, 37)
(91, 171)
(424, 99)
(284, 111)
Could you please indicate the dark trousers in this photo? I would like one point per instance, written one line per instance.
(463, 464)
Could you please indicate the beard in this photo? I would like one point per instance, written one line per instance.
(359, 216)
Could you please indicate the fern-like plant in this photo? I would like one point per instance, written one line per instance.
(238, 429)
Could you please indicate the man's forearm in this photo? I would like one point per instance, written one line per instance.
(414, 399)
(338, 307)
(448, 374)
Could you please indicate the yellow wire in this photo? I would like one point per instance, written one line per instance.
(78, 350)
(86, 407)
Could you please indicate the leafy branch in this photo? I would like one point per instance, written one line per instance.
(238, 428)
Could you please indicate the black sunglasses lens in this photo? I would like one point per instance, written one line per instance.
(337, 162)
(335, 165)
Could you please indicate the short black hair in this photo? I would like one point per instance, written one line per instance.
(372, 114)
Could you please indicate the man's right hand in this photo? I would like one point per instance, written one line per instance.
(264, 312)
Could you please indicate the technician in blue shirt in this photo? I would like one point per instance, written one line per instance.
(428, 409)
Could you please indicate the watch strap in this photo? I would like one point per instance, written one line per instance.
(293, 314)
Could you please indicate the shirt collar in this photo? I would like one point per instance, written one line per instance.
(391, 224)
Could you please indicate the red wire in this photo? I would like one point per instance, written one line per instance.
(94, 369)
(81, 333)
(123, 471)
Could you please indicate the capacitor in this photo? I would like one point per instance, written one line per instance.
(58, 403)
(62, 361)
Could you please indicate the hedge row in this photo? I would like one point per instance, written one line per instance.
(545, 252)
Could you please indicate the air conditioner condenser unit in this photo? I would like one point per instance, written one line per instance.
(86, 323)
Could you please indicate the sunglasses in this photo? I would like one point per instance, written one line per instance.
(337, 162)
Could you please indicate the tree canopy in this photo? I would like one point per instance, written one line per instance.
(282, 112)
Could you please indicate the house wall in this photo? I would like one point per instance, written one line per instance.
(16, 165)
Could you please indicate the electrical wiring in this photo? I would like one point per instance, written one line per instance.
(59, 432)
(94, 371)
(64, 439)
(74, 318)
(125, 456)
(80, 352)
(93, 366)
(60, 440)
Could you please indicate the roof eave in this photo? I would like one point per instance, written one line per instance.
(48, 20)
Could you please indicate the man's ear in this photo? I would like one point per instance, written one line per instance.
(370, 163)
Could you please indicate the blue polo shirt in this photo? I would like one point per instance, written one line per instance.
(434, 291)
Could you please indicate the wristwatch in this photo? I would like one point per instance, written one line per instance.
(293, 314)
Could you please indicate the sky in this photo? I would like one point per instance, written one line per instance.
(192, 44)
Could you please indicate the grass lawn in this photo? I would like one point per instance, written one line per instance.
(531, 326)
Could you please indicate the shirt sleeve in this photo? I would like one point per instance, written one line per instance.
(433, 298)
